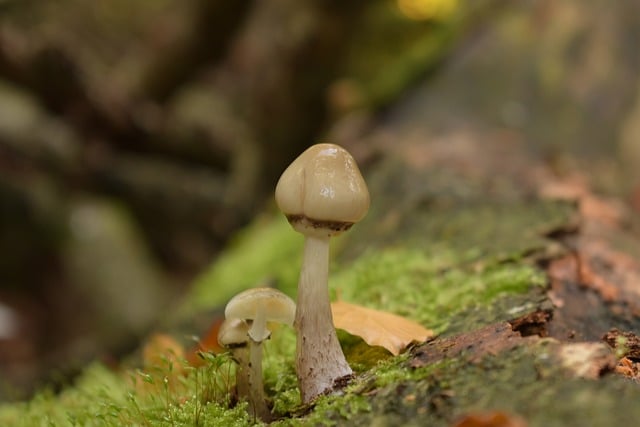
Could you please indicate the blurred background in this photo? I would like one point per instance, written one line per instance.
(137, 137)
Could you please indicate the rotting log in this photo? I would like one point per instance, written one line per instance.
(532, 353)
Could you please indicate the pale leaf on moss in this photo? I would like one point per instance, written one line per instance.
(378, 328)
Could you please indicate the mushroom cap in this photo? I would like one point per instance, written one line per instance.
(323, 189)
(233, 332)
(263, 306)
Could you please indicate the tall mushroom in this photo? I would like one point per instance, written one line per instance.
(249, 317)
(322, 193)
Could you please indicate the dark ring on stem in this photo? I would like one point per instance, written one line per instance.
(319, 223)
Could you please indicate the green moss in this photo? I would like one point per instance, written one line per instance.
(430, 286)
(102, 397)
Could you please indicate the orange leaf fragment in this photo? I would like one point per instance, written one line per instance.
(490, 419)
(208, 343)
(376, 327)
(162, 351)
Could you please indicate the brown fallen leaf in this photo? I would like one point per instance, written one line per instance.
(207, 343)
(162, 360)
(162, 351)
(376, 327)
(490, 419)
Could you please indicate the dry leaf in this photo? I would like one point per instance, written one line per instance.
(162, 351)
(490, 419)
(162, 357)
(207, 343)
(375, 327)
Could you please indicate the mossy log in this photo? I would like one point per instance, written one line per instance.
(520, 272)
(528, 277)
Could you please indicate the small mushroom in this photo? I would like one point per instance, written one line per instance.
(261, 305)
(249, 317)
(322, 193)
(233, 335)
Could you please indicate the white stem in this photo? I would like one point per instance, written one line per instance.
(258, 331)
(257, 404)
(249, 380)
(320, 360)
(241, 355)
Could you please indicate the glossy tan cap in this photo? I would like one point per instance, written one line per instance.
(262, 306)
(277, 306)
(323, 186)
(233, 332)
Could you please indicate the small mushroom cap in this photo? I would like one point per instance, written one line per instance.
(233, 332)
(263, 306)
(323, 189)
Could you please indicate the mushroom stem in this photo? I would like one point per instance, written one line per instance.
(241, 356)
(249, 385)
(257, 404)
(258, 330)
(320, 360)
